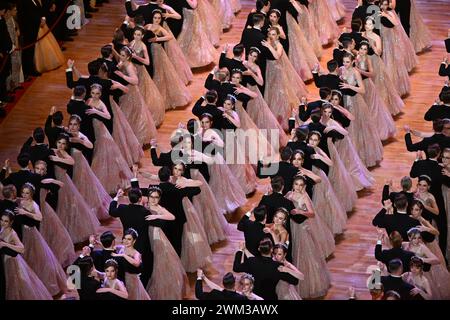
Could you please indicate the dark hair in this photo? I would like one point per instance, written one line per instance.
(416, 262)
(118, 36)
(211, 96)
(156, 189)
(406, 183)
(400, 201)
(107, 238)
(346, 42)
(63, 136)
(139, 29)
(106, 51)
(324, 92)
(134, 195)
(260, 4)
(276, 11)
(260, 213)
(94, 67)
(58, 118)
(207, 115)
(284, 211)
(286, 154)
(192, 126)
(177, 162)
(254, 49)
(356, 24)
(337, 93)
(9, 214)
(130, 231)
(433, 150)
(39, 135)
(86, 264)
(332, 65)
(228, 281)
(425, 178)
(395, 265)
(301, 133)
(277, 183)
(79, 91)
(396, 239)
(127, 51)
(257, 18)
(280, 246)
(8, 191)
(139, 19)
(265, 246)
(316, 115)
(417, 203)
(444, 96)
(298, 151)
(164, 174)
(238, 49)
(23, 159)
(299, 177)
(438, 125)
(111, 263)
(76, 118)
(348, 55)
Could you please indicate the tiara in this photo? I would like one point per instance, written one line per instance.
(316, 132)
(134, 230)
(232, 98)
(337, 91)
(96, 85)
(153, 188)
(424, 176)
(277, 11)
(30, 186)
(255, 49)
(236, 70)
(157, 10)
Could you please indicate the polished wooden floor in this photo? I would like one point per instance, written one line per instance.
(354, 250)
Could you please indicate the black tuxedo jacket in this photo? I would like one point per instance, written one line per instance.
(398, 285)
(216, 294)
(146, 10)
(230, 64)
(395, 222)
(52, 132)
(437, 111)
(79, 108)
(403, 9)
(273, 202)
(217, 114)
(253, 234)
(265, 271)
(285, 170)
(439, 138)
(87, 82)
(36, 152)
(306, 149)
(443, 70)
(19, 178)
(331, 81)
(397, 253)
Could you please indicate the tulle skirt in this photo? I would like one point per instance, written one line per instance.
(90, 187)
(211, 21)
(259, 112)
(409, 55)
(138, 115)
(438, 276)
(108, 164)
(225, 11)
(327, 204)
(341, 180)
(194, 42)
(363, 131)
(178, 58)
(386, 88)
(55, 234)
(123, 135)
(168, 281)
(287, 291)
(196, 252)
(301, 54)
(40, 257)
(361, 177)
(47, 53)
(337, 9)
(306, 23)
(324, 21)
(307, 257)
(229, 194)
(152, 97)
(135, 288)
(284, 89)
(393, 60)
(76, 216)
(446, 195)
(322, 236)
(379, 112)
(418, 33)
(211, 215)
(21, 281)
(172, 88)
